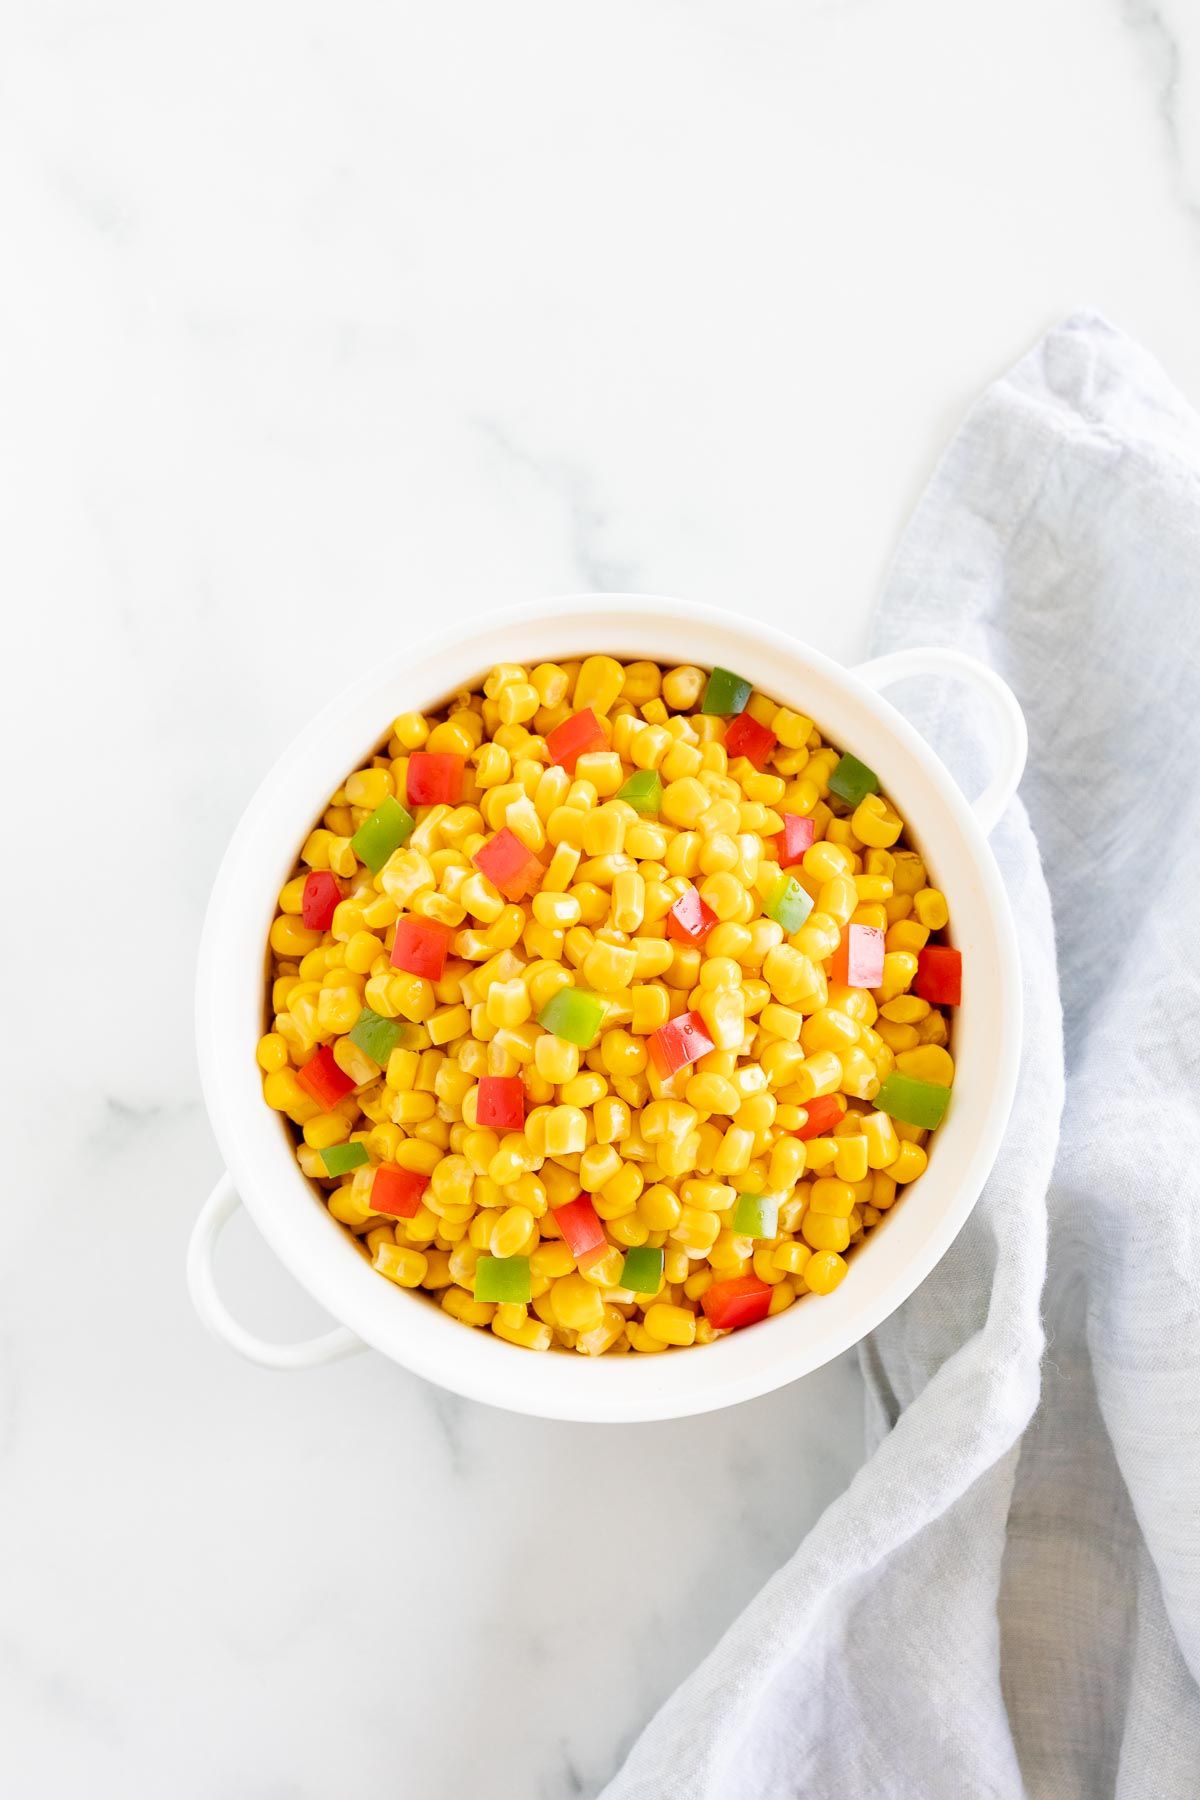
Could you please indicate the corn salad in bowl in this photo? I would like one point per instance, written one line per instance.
(610, 1006)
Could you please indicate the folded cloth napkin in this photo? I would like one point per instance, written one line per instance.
(1006, 1601)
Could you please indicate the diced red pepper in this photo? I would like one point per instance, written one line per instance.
(434, 778)
(324, 1080)
(743, 1300)
(690, 920)
(509, 866)
(500, 1103)
(858, 959)
(397, 1192)
(321, 898)
(421, 947)
(574, 737)
(582, 1231)
(939, 975)
(795, 838)
(746, 737)
(823, 1114)
(679, 1042)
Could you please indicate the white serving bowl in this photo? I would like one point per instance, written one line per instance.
(408, 1327)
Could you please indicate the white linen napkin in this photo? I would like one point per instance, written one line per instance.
(1006, 1600)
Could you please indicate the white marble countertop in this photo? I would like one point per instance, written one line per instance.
(319, 322)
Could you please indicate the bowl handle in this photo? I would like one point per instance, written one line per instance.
(215, 1214)
(1008, 720)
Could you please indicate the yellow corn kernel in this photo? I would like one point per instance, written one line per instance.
(931, 909)
(290, 937)
(875, 823)
(602, 768)
(566, 1130)
(934, 1029)
(283, 1092)
(272, 1052)
(928, 1063)
(528, 1334)
(578, 1304)
(556, 1060)
(659, 1208)
(831, 1198)
(683, 686)
(517, 701)
(326, 1129)
(628, 901)
(788, 1159)
(514, 1232)
(696, 1230)
(685, 802)
(910, 1163)
(823, 1272)
(735, 1150)
(410, 730)
(449, 1022)
(791, 1258)
(597, 1166)
(608, 967)
(642, 1340)
(671, 1324)
(407, 1268)
(793, 977)
(850, 1158)
(598, 684)
(464, 1307)
(883, 1191)
(822, 1231)
(899, 971)
(712, 1093)
(883, 1146)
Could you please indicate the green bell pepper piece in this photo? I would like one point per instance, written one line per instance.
(789, 904)
(756, 1216)
(375, 1035)
(726, 693)
(503, 1278)
(643, 791)
(642, 1270)
(386, 829)
(573, 1014)
(339, 1159)
(913, 1102)
(852, 781)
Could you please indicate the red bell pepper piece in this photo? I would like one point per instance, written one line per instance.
(509, 866)
(397, 1192)
(501, 1102)
(324, 1080)
(690, 920)
(421, 947)
(939, 975)
(582, 1231)
(679, 1042)
(795, 838)
(743, 1300)
(823, 1114)
(322, 895)
(858, 959)
(576, 735)
(746, 737)
(435, 779)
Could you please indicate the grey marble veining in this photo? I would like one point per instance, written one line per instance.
(317, 326)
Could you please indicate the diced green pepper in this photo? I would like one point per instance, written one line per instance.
(386, 829)
(643, 791)
(376, 1035)
(726, 693)
(913, 1102)
(339, 1159)
(852, 781)
(756, 1216)
(642, 1270)
(503, 1278)
(789, 905)
(573, 1014)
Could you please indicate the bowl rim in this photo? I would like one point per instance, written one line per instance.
(419, 1335)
